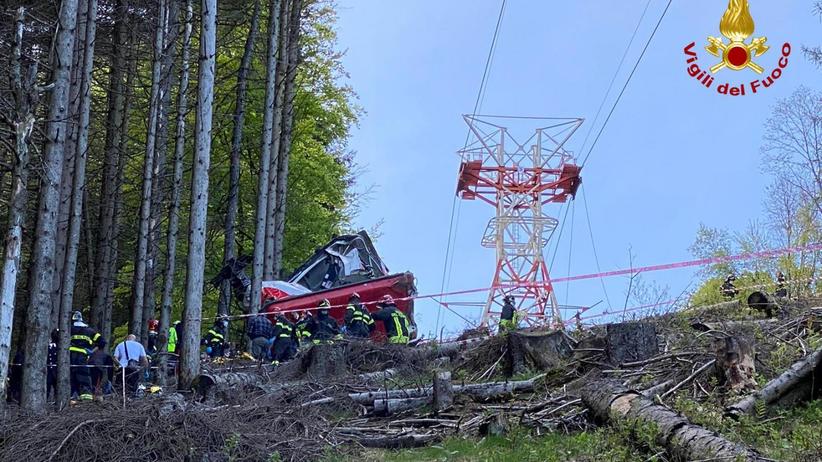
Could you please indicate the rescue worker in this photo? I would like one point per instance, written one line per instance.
(214, 339)
(284, 341)
(175, 332)
(153, 325)
(83, 341)
(509, 318)
(102, 374)
(395, 321)
(259, 330)
(781, 290)
(358, 321)
(306, 327)
(327, 327)
(728, 289)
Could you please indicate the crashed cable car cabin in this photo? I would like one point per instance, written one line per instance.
(346, 265)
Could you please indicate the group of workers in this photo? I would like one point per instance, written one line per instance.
(93, 367)
(279, 341)
(729, 290)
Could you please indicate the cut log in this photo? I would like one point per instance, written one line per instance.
(610, 401)
(735, 366)
(443, 392)
(477, 390)
(449, 348)
(540, 351)
(208, 384)
(630, 341)
(378, 376)
(796, 376)
(386, 407)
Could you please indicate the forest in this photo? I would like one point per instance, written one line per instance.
(145, 143)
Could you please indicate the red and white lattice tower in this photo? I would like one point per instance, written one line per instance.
(520, 179)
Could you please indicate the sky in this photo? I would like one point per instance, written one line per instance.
(673, 155)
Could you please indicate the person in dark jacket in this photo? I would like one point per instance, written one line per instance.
(728, 289)
(327, 327)
(358, 321)
(214, 339)
(260, 330)
(102, 374)
(306, 328)
(284, 344)
(509, 318)
(83, 341)
(397, 326)
(781, 290)
(153, 326)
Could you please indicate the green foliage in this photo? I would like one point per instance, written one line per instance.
(322, 173)
(709, 293)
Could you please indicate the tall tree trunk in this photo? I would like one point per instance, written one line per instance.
(78, 186)
(288, 126)
(38, 315)
(265, 158)
(139, 280)
(109, 187)
(91, 249)
(24, 97)
(177, 186)
(67, 180)
(158, 178)
(229, 251)
(190, 361)
(282, 69)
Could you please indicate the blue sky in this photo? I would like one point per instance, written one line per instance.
(673, 156)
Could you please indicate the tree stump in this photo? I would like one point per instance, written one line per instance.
(325, 361)
(537, 350)
(496, 426)
(443, 392)
(735, 365)
(630, 341)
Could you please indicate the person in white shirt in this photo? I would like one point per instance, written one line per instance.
(132, 358)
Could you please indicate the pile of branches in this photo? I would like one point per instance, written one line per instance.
(254, 431)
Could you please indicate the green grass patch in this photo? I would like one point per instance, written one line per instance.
(520, 445)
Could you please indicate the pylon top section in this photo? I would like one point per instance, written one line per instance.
(505, 160)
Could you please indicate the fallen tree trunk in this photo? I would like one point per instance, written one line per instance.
(384, 405)
(776, 389)
(611, 401)
(443, 349)
(208, 384)
(478, 390)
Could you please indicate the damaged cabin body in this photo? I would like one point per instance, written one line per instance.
(346, 265)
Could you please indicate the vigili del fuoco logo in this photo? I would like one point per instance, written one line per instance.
(740, 53)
